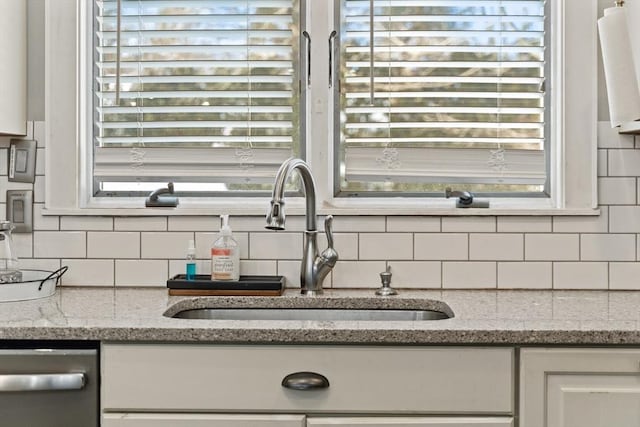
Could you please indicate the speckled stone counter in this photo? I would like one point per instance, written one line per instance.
(481, 317)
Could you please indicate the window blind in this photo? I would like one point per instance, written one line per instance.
(434, 92)
(208, 93)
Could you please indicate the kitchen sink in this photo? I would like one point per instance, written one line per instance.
(318, 314)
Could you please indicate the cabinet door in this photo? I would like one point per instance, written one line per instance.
(201, 420)
(411, 422)
(580, 388)
(593, 400)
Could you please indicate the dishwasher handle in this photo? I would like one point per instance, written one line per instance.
(41, 382)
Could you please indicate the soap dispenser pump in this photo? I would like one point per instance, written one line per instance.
(225, 254)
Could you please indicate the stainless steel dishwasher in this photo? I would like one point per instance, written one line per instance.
(48, 385)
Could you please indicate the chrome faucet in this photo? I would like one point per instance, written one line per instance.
(314, 267)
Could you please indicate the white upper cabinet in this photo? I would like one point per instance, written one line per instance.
(13, 67)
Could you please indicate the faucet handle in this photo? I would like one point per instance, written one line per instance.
(330, 255)
(328, 230)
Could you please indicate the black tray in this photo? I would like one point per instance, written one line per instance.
(246, 285)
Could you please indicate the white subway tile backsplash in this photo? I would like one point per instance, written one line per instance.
(608, 247)
(524, 224)
(386, 246)
(551, 247)
(496, 246)
(416, 274)
(40, 163)
(413, 224)
(345, 243)
(623, 163)
(469, 275)
(89, 272)
(143, 223)
(624, 219)
(609, 137)
(23, 244)
(260, 268)
(359, 224)
(60, 244)
(580, 275)
(441, 246)
(140, 272)
(468, 224)
(358, 274)
(165, 245)
(196, 223)
(275, 245)
(616, 191)
(624, 275)
(243, 241)
(204, 241)
(291, 271)
(117, 244)
(44, 222)
(603, 162)
(583, 224)
(247, 223)
(525, 275)
(85, 223)
(46, 264)
(39, 189)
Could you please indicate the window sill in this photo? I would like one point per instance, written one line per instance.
(295, 206)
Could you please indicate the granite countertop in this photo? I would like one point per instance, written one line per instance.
(481, 317)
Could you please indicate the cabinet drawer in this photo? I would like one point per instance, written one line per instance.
(362, 379)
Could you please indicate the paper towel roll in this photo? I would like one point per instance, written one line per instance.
(619, 69)
(632, 10)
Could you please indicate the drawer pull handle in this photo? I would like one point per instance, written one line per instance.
(305, 381)
(42, 382)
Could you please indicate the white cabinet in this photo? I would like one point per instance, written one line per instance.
(201, 420)
(13, 67)
(580, 387)
(411, 422)
(392, 385)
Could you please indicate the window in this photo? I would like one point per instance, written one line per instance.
(203, 93)
(435, 93)
(563, 166)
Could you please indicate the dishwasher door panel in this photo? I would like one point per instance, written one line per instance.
(49, 388)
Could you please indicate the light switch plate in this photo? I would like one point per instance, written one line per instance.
(22, 160)
(20, 210)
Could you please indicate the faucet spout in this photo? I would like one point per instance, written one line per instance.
(314, 267)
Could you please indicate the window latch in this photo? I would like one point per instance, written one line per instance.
(465, 199)
(157, 200)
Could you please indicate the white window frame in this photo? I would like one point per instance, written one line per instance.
(573, 123)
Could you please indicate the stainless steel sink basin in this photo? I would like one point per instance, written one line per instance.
(319, 314)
